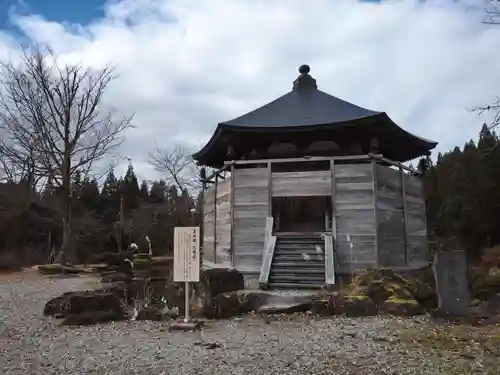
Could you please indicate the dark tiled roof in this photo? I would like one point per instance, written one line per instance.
(305, 105)
(307, 108)
(301, 107)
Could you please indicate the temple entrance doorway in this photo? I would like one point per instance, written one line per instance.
(302, 214)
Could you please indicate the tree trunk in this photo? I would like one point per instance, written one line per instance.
(120, 238)
(66, 254)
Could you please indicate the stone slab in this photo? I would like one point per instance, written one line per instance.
(450, 272)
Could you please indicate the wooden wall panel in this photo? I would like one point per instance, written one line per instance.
(251, 207)
(391, 232)
(355, 253)
(355, 217)
(208, 224)
(223, 224)
(362, 172)
(301, 184)
(356, 222)
(416, 225)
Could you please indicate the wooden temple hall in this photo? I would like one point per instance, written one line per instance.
(310, 187)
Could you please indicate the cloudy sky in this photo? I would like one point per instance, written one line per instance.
(185, 65)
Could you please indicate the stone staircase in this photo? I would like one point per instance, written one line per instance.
(298, 262)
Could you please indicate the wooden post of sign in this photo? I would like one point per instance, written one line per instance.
(186, 302)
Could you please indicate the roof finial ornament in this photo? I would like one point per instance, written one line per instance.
(304, 69)
(304, 80)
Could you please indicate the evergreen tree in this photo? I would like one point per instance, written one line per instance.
(89, 195)
(462, 193)
(76, 184)
(157, 193)
(110, 199)
(129, 189)
(110, 187)
(143, 190)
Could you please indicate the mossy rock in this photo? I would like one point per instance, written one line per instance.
(88, 305)
(155, 313)
(422, 285)
(401, 307)
(353, 305)
(485, 283)
(380, 285)
(163, 260)
(218, 281)
(58, 269)
(323, 306)
(224, 306)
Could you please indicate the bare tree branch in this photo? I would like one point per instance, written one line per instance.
(51, 118)
(177, 167)
(484, 109)
(492, 16)
(492, 12)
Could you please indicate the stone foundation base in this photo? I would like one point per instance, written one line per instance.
(251, 281)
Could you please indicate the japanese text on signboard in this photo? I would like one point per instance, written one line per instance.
(186, 254)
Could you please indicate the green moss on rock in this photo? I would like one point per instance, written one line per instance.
(58, 269)
(399, 300)
(351, 297)
(485, 283)
(386, 290)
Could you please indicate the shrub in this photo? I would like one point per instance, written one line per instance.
(491, 257)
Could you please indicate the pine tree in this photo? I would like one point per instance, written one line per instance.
(110, 187)
(157, 193)
(89, 195)
(110, 199)
(143, 190)
(129, 189)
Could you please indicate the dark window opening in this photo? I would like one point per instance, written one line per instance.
(302, 166)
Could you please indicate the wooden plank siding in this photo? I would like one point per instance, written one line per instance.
(390, 217)
(223, 224)
(401, 223)
(251, 206)
(208, 224)
(416, 226)
(355, 217)
(379, 215)
(301, 184)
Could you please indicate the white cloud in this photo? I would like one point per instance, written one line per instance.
(185, 65)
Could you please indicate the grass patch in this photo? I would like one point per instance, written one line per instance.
(463, 344)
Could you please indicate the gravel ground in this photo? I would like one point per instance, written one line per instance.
(33, 344)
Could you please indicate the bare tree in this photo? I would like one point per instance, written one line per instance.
(19, 170)
(492, 11)
(494, 107)
(51, 115)
(177, 167)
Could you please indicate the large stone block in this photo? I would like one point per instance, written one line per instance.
(86, 307)
(219, 281)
